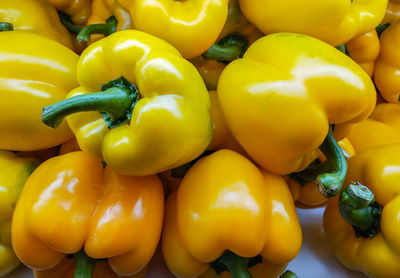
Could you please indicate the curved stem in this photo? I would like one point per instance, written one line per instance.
(329, 184)
(116, 102)
(5, 26)
(382, 27)
(288, 274)
(228, 49)
(66, 20)
(84, 265)
(106, 29)
(359, 208)
(236, 265)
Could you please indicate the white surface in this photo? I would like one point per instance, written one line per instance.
(315, 259)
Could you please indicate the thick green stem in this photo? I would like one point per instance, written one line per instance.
(329, 184)
(116, 102)
(106, 29)
(236, 265)
(5, 26)
(66, 20)
(228, 49)
(288, 274)
(381, 28)
(84, 265)
(359, 208)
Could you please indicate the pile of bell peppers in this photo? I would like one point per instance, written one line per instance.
(197, 127)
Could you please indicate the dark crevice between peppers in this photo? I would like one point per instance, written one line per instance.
(381, 27)
(115, 103)
(181, 171)
(359, 208)
(343, 49)
(228, 49)
(84, 265)
(236, 265)
(105, 29)
(5, 26)
(329, 175)
(66, 20)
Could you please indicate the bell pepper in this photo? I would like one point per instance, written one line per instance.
(221, 192)
(36, 16)
(334, 22)
(78, 10)
(36, 71)
(362, 224)
(305, 192)
(169, 115)
(71, 205)
(14, 171)
(364, 50)
(279, 103)
(392, 14)
(388, 64)
(192, 27)
(381, 128)
(66, 269)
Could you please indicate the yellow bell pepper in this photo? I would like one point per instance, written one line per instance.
(382, 128)
(14, 171)
(169, 115)
(392, 14)
(35, 71)
(388, 64)
(70, 204)
(364, 50)
(36, 16)
(78, 10)
(191, 26)
(333, 21)
(221, 192)
(363, 224)
(279, 103)
(306, 193)
(210, 70)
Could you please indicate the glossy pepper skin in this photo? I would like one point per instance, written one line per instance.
(36, 16)
(392, 15)
(70, 203)
(364, 50)
(191, 26)
(378, 256)
(14, 171)
(308, 194)
(333, 21)
(219, 193)
(44, 74)
(280, 107)
(170, 124)
(79, 10)
(381, 128)
(388, 64)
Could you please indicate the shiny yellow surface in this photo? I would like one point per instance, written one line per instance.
(382, 128)
(279, 103)
(191, 26)
(364, 49)
(392, 12)
(14, 171)
(35, 71)
(79, 10)
(333, 21)
(386, 74)
(308, 194)
(210, 71)
(36, 16)
(170, 124)
(220, 193)
(378, 169)
(70, 202)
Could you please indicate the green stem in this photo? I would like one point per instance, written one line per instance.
(228, 49)
(381, 28)
(288, 274)
(116, 102)
(84, 265)
(5, 26)
(359, 208)
(329, 184)
(342, 48)
(66, 20)
(236, 265)
(106, 29)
